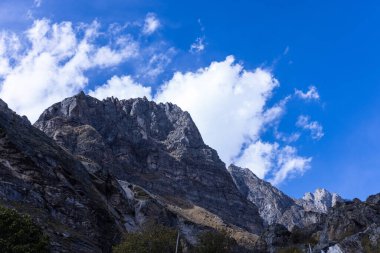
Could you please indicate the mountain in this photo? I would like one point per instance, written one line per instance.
(274, 206)
(41, 179)
(90, 171)
(156, 146)
(82, 207)
(322, 219)
(319, 201)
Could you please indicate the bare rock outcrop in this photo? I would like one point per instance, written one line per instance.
(155, 146)
(274, 206)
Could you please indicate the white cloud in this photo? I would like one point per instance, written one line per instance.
(288, 138)
(228, 103)
(151, 24)
(9, 49)
(311, 94)
(156, 63)
(273, 162)
(288, 164)
(258, 157)
(198, 45)
(122, 87)
(314, 127)
(224, 100)
(273, 114)
(52, 64)
(37, 3)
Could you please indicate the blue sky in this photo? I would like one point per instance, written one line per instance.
(331, 45)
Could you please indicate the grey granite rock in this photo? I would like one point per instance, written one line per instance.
(80, 207)
(319, 201)
(155, 146)
(274, 206)
(39, 178)
(99, 169)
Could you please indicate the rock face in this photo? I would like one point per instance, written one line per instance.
(272, 203)
(89, 171)
(39, 178)
(155, 146)
(352, 226)
(79, 204)
(319, 201)
(274, 206)
(349, 227)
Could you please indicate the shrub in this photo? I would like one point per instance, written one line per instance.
(367, 245)
(152, 239)
(18, 234)
(290, 250)
(215, 242)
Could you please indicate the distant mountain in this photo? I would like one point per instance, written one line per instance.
(89, 171)
(274, 206)
(320, 218)
(319, 201)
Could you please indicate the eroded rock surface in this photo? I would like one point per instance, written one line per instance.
(274, 206)
(319, 201)
(99, 169)
(155, 146)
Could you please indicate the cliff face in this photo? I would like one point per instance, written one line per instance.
(156, 146)
(274, 206)
(89, 171)
(41, 179)
(83, 207)
(322, 220)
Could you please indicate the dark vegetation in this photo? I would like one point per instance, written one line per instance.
(161, 239)
(18, 234)
(215, 242)
(152, 239)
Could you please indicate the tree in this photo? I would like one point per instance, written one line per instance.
(215, 242)
(152, 239)
(18, 234)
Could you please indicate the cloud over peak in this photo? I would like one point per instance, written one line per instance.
(123, 87)
(229, 106)
(228, 102)
(51, 62)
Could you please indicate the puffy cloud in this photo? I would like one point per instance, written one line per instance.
(258, 157)
(229, 106)
(198, 45)
(273, 114)
(288, 164)
(151, 24)
(52, 63)
(314, 127)
(228, 103)
(311, 94)
(124, 87)
(224, 100)
(273, 162)
(9, 50)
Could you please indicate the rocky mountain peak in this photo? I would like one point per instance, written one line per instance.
(155, 146)
(144, 118)
(319, 201)
(274, 206)
(99, 169)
